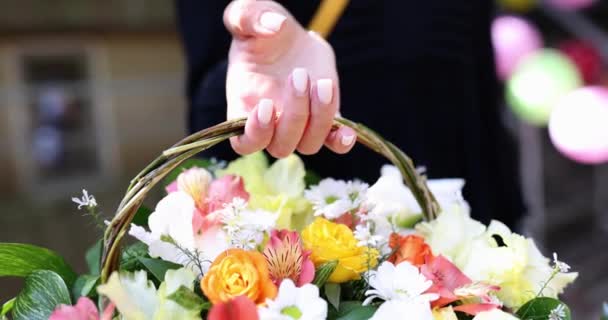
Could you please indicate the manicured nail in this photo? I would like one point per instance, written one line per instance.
(325, 90)
(265, 108)
(347, 140)
(272, 21)
(299, 79)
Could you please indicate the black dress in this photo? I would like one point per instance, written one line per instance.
(421, 73)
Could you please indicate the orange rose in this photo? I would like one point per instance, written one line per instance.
(410, 248)
(235, 273)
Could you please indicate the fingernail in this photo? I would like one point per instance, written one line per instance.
(347, 140)
(265, 108)
(299, 78)
(272, 21)
(325, 90)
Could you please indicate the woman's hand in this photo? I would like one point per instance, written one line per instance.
(284, 78)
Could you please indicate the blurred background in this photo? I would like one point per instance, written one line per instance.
(91, 91)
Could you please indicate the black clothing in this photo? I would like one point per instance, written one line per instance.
(421, 74)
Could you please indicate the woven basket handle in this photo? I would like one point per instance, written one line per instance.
(209, 137)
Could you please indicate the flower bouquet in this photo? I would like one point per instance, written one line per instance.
(254, 240)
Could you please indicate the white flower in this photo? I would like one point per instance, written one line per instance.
(86, 200)
(137, 298)
(302, 303)
(494, 314)
(559, 313)
(172, 218)
(389, 198)
(401, 282)
(333, 198)
(245, 228)
(560, 265)
(357, 192)
(403, 309)
(452, 234)
(365, 237)
(517, 267)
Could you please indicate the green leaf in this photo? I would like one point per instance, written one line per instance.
(20, 260)
(7, 307)
(541, 308)
(190, 163)
(323, 272)
(311, 178)
(84, 285)
(332, 292)
(129, 260)
(93, 257)
(141, 216)
(189, 300)
(158, 267)
(358, 313)
(43, 292)
(605, 312)
(351, 310)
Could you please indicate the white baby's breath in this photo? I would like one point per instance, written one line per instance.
(560, 265)
(363, 233)
(559, 313)
(87, 200)
(245, 228)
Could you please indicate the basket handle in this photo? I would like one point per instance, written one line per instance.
(205, 139)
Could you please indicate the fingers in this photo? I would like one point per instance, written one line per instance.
(323, 108)
(249, 18)
(294, 117)
(259, 129)
(342, 140)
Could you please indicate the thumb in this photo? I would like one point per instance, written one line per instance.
(251, 18)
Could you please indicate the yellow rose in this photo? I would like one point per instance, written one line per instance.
(329, 241)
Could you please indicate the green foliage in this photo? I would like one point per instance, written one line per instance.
(189, 300)
(44, 290)
(129, 260)
(355, 290)
(93, 257)
(351, 310)
(311, 178)
(84, 286)
(141, 216)
(541, 308)
(7, 307)
(463, 316)
(20, 260)
(332, 293)
(323, 272)
(158, 267)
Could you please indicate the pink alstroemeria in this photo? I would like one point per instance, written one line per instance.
(239, 308)
(452, 285)
(224, 190)
(83, 310)
(208, 195)
(287, 259)
(221, 192)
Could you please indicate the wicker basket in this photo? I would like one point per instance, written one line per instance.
(207, 138)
